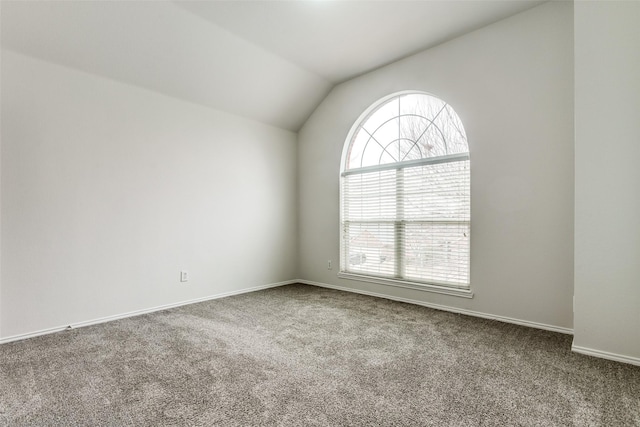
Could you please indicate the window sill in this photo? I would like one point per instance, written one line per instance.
(464, 293)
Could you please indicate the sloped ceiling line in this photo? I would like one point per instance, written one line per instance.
(269, 61)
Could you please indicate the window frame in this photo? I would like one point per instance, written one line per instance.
(441, 288)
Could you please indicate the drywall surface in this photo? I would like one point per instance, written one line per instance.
(163, 47)
(512, 85)
(0, 192)
(607, 192)
(109, 190)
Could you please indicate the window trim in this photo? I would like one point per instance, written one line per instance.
(407, 164)
(463, 291)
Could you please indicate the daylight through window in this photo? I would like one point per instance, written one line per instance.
(405, 192)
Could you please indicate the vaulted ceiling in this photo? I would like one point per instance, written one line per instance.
(271, 61)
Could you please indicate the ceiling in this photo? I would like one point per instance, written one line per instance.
(339, 40)
(270, 61)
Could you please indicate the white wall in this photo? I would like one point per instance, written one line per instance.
(512, 85)
(109, 190)
(1, 185)
(607, 193)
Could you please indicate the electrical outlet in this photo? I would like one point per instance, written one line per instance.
(329, 265)
(184, 276)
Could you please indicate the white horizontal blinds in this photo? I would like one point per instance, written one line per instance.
(419, 213)
(437, 223)
(405, 194)
(369, 216)
(370, 248)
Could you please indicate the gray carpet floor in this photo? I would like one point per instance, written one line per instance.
(306, 356)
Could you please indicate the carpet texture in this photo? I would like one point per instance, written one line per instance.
(305, 356)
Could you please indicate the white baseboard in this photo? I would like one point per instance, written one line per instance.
(606, 355)
(447, 308)
(139, 312)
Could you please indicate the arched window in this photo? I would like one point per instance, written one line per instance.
(405, 195)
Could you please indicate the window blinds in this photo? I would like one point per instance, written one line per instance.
(409, 221)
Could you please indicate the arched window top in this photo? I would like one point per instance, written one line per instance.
(406, 127)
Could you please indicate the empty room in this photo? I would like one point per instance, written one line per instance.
(319, 213)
